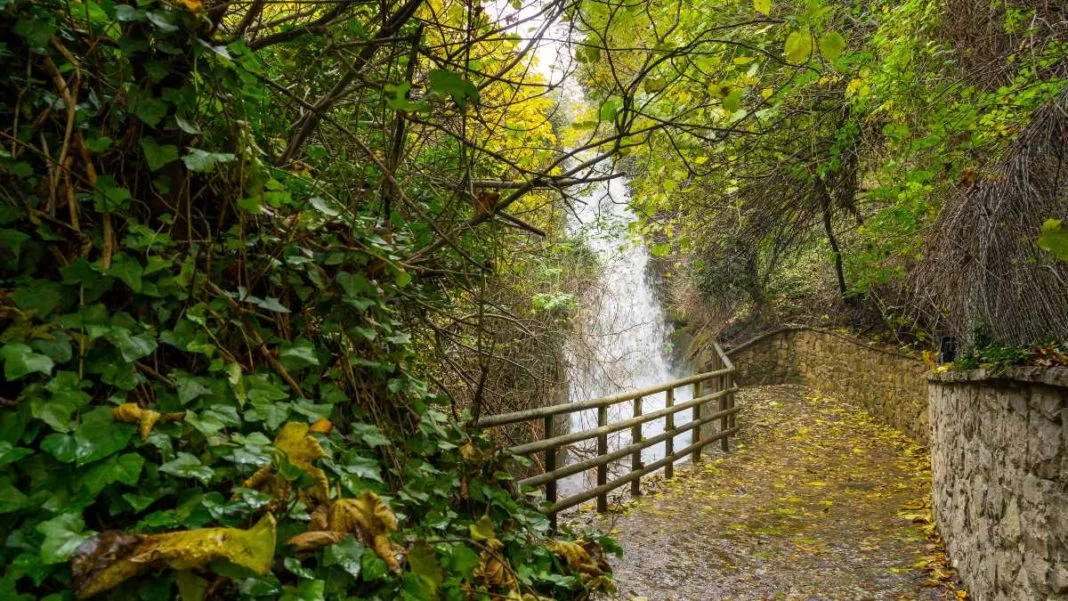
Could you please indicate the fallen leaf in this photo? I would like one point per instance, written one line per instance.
(367, 517)
(146, 419)
(110, 558)
(312, 540)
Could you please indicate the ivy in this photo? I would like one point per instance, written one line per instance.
(175, 303)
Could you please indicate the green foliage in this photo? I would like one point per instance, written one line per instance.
(846, 121)
(1054, 238)
(180, 271)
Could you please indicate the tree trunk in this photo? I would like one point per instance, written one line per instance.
(828, 228)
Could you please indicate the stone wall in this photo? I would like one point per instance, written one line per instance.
(999, 456)
(887, 384)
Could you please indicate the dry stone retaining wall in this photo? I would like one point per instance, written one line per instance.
(999, 457)
(887, 384)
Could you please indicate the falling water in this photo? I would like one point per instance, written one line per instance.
(622, 339)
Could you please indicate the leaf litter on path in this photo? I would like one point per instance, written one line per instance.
(815, 502)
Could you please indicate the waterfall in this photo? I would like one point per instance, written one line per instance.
(622, 339)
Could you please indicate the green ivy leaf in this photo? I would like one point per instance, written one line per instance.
(100, 436)
(109, 196)
(204, 161)
(158, 155)
(373, 566)
(61, 446)
(188, 466)
(464, 560)
(20, 360)
(66, 398)
(299, 355)
(127, 269)
(102, 143)
(423, 561)
(831, 45)
(190, 586)
(1054, 238)
(42, 296)
(186, 125)
(63, 534)
(307, 590)
(119, 468)
(370, 435)
(11, 498)
(150, 110)
(132, 346)
(346, 554)
(164, 20)
(36, 32)
(11, 454)
(762, 6)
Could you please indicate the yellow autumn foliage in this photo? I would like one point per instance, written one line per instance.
(367, 517)
(146, 419)
(110, 558)
(301, 449)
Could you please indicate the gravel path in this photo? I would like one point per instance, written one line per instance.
(815, 502)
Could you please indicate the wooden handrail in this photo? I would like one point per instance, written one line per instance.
(503, 419)
(717, 384)
(565, 439)
(581, 466)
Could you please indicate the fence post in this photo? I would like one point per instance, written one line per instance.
(636, 457)
(730, 396)
(669, 426)
(602, 449)
(550, 465)
(724, 403)
(695, 437)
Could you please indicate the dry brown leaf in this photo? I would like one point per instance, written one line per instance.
(146, 419)
(312, 540)
(320, 518)
(470, 453)
(367, 517)
(587, 560)
(492, 570)
(109, 559)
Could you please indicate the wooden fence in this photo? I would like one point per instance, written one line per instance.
(716, 385)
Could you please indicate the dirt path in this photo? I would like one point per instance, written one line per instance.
(817, 502)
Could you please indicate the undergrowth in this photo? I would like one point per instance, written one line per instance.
(207, 389)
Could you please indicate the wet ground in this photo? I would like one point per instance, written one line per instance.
(815, 502)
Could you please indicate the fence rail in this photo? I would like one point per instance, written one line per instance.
(716, 385)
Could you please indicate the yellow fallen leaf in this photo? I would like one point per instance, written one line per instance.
(492, 569)
(193, 5)
(367, 517)
(572, 552)
(310, 541)
(301, 449)
(110, 558)
(146, 419)
(586, 559)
